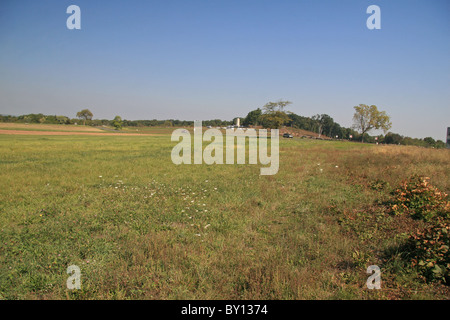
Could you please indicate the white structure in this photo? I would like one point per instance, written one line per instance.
(238, 122)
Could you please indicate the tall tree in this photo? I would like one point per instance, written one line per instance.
(274, 120)
(276, 106)
(252, 118)
(274, 115)
(367, 118)
(85, 114)
(117, 123)
(324, 123)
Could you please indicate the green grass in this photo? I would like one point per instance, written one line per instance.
(140, 227)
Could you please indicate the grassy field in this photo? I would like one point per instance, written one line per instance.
(140, 227)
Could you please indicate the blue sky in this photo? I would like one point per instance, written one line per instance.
(208, 59)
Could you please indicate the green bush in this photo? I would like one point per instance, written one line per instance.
(418, 198)
(430, 250)
(429, 245)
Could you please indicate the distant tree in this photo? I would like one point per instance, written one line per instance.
(32, 118)
(408, 141)
(440, 144)
(167, 123)
(276, 106)
(62, 119)
(252, 118)
(393, 138)
(367, 118)
(349, 133)
(337, 131)
(274, 119)
(429, 141)
(324, 123)
(274, 116)
(52, 119)
(84, 115)
(117, 123)
(300, 122)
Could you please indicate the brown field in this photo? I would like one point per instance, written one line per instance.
(70, 133)
(47, 127)
(65, 130)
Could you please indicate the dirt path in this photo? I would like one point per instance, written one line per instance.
(66, 133)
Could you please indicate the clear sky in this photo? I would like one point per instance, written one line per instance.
(209, 59)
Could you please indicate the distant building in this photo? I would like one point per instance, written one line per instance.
(448, 137)
(238, 122)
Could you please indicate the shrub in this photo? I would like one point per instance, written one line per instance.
(418, 198)
(430, 250)
(428, 245)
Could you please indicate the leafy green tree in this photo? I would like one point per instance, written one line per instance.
(429, 141)
(274, 119)
(84, 115)
(62, 120)
(440, 144)
(337, 131)
(276, 106)
(252, 118)
(274, 116)
(393, 138)
(300, 122)
(367, 118)
(324, 124)
(117, 123)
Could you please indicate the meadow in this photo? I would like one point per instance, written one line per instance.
(140, 227)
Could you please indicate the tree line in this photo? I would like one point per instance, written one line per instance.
(271, 115)
(84, 118)
(365, 118)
